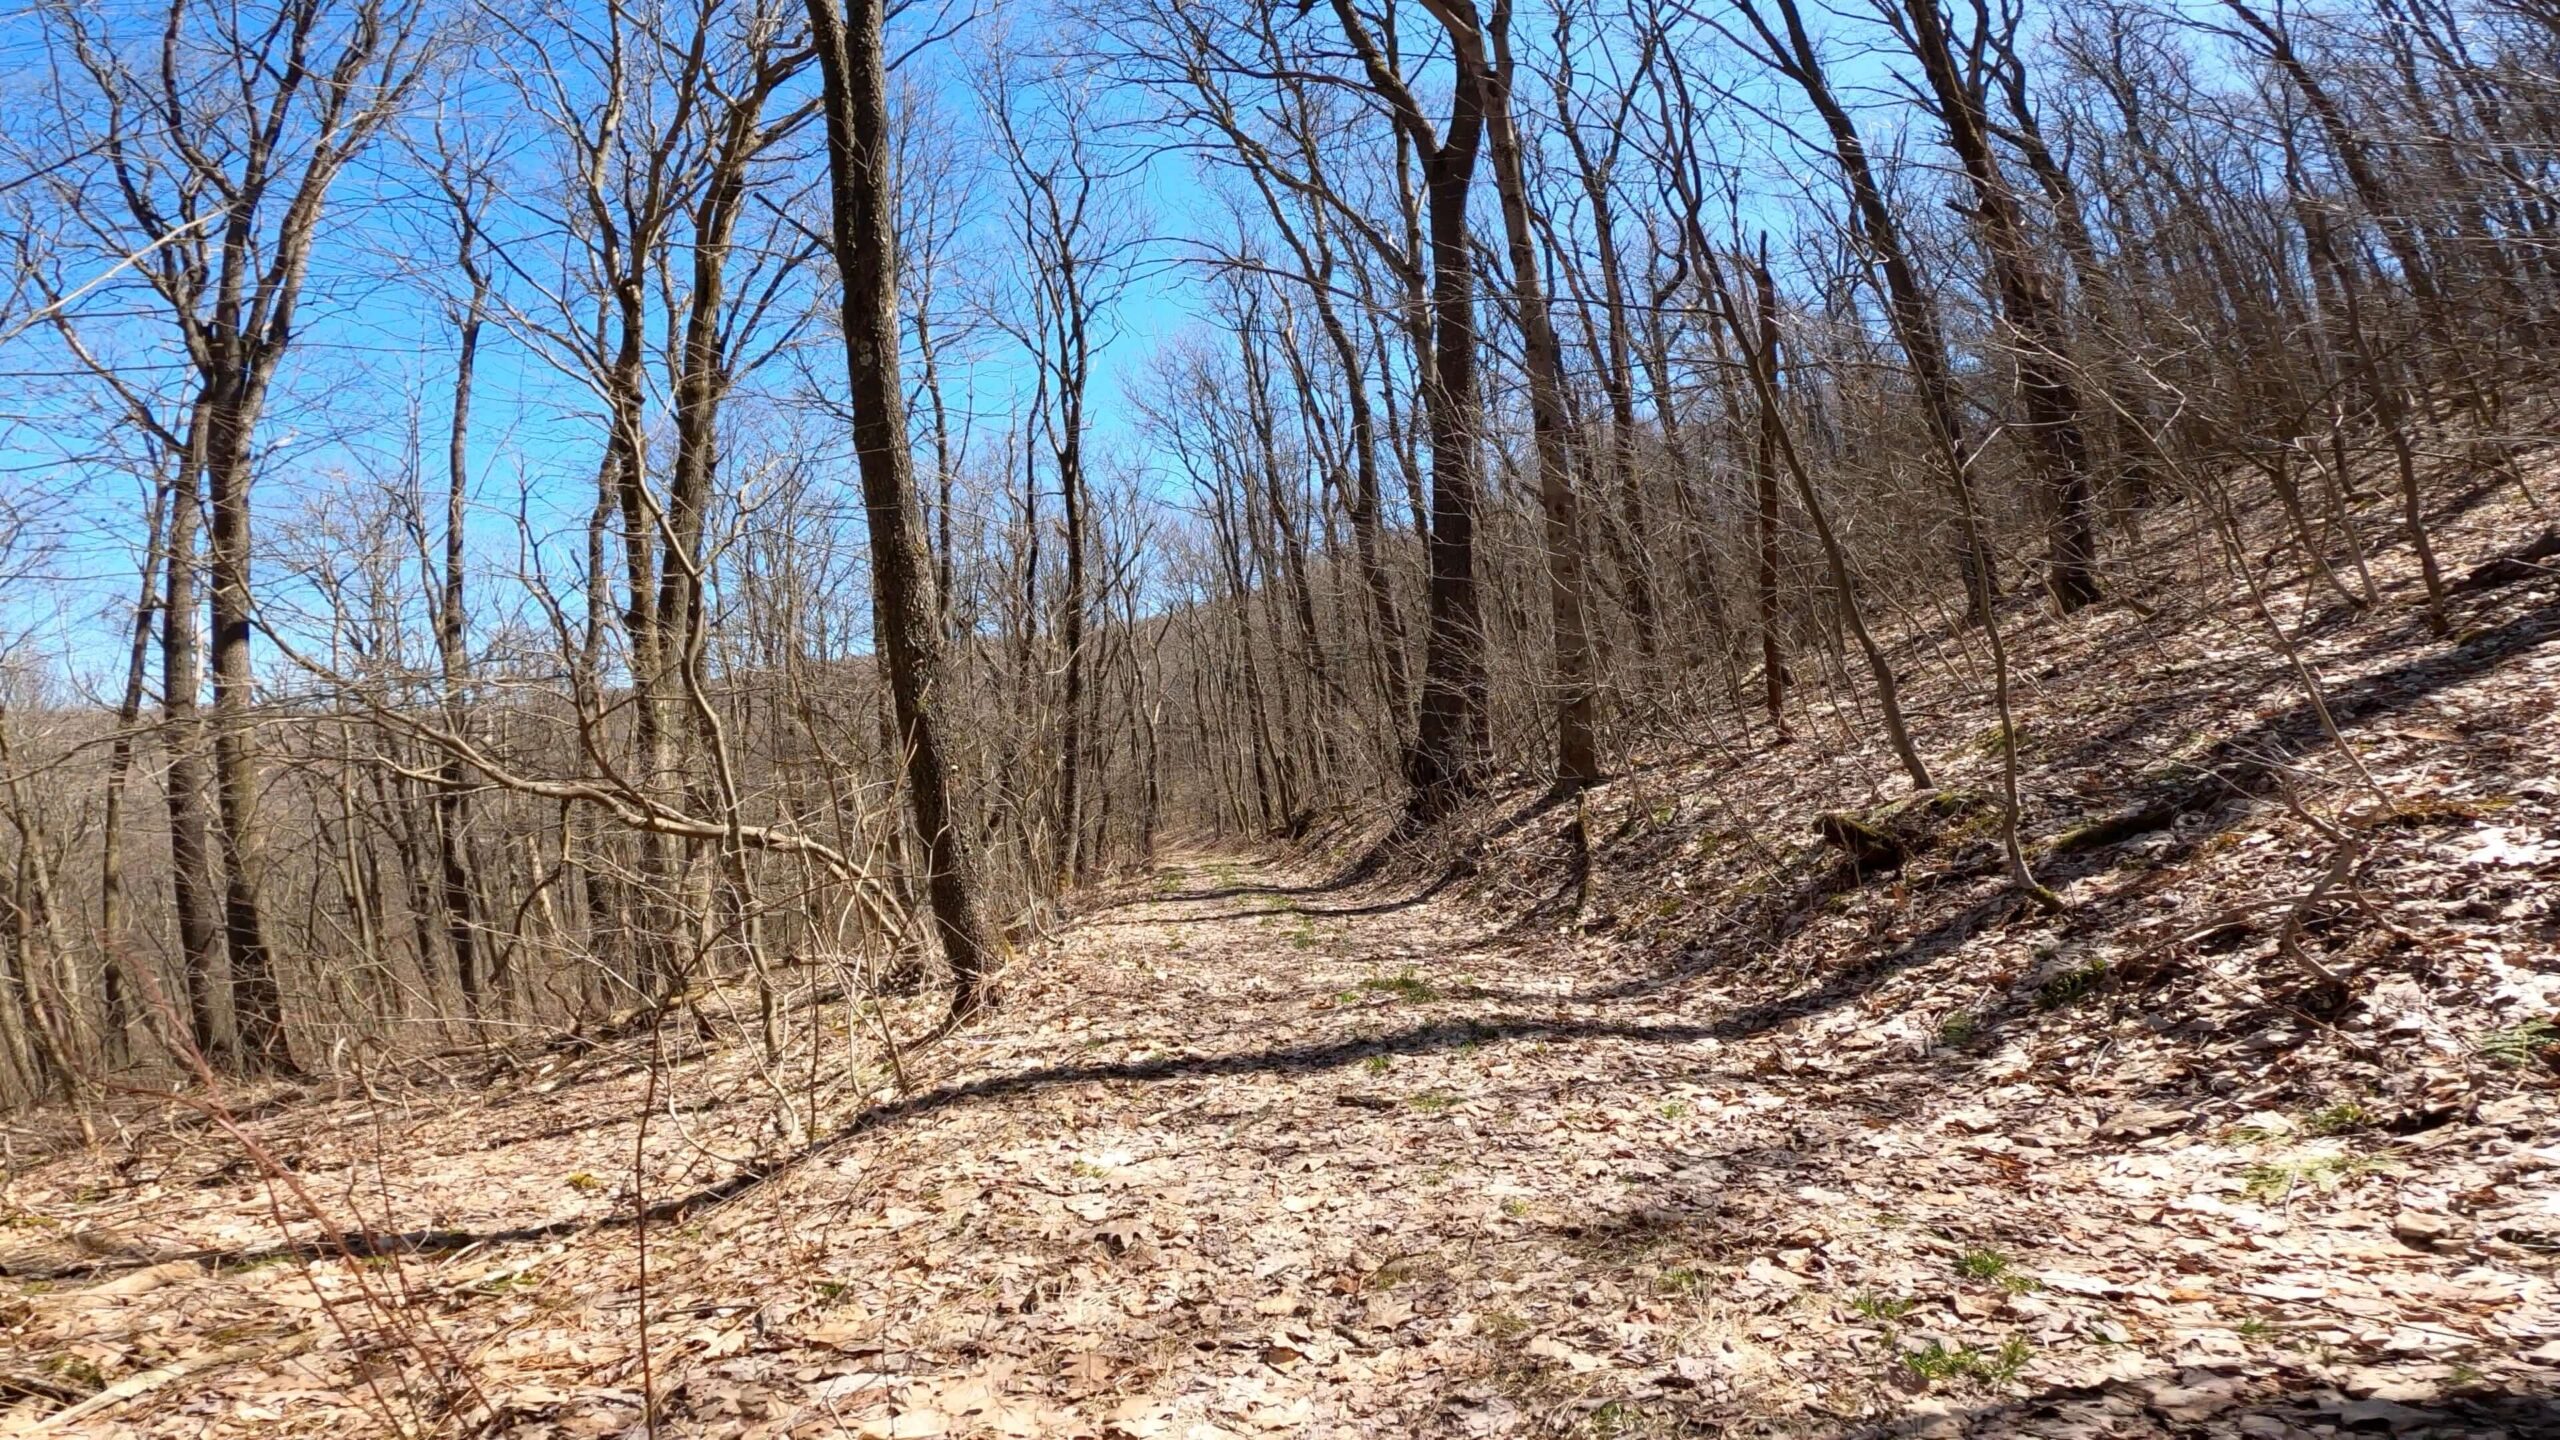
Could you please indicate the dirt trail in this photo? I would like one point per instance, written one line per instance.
(1253, 1155)
(1389, 1167)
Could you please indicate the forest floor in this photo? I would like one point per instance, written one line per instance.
(1262, 1155)
(1655, 1115)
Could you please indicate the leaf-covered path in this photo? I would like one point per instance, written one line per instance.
(1372, 1166)
(1250, 1154)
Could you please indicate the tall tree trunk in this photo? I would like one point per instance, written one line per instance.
(1452, 732)
(453, 814)
(1072, 741)
(635, 506)
(256, 1005)
(1451, 738)
(905, 612)
(192, 892)
(1075, 367)
(111, 918)
(1575, 700)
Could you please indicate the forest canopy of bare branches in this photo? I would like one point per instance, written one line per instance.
(519, 514)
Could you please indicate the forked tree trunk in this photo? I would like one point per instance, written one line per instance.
(1446, 762)
(2049, 395)
(1575, 701)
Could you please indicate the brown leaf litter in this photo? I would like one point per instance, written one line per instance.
(1659, 1116)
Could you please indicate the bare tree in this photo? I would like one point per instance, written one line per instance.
(1446, 761)
(907, 623)
(1483, 51)
(228, 137)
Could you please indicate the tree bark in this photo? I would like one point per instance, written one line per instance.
(906, 616)
(2048, 395)
(1445, 765)
(192, 892)
(1575, 702)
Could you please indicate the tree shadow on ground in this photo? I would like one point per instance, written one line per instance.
(1313, 1056)
(2297, 1405)
(2286, 732)
(2245, 762)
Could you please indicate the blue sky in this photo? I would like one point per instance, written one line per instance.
(367, 386)
(370, 372)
